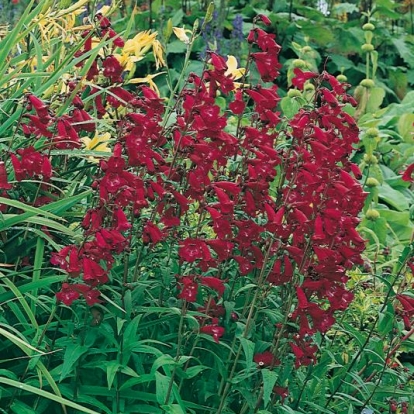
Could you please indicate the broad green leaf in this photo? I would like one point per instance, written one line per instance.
(392, 197)
(72, 354)
(375, 98)
(248, 349)
(290, 106)
(406, 127)
(378, 227)
(162, 384)
(269, 381)
(112, 367)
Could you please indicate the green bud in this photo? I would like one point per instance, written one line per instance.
(367, 83)
(209, 14)
(293, 93)
(372, 132)
(306, 49)
(372, 182)
(372, 214)
(368, 26)
(342, 78)
(309, 87)
(370, 159)
(366, 47)
(299, 63)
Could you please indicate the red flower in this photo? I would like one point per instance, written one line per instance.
(266, 359)
(407, 175)
(31, 165)
(112, 69)
(214, 330)
(192, 249)
(93, 273)
(267, 65)
(189, 288)
(4, 184)
(301, 77)
(213, 283)
(264, 19)
(152, 233)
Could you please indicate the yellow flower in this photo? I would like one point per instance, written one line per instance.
(127, 61)
(233, 70)
(138, 45)
(158, 54)
(148, 79)
(181, 34)
(97, 143)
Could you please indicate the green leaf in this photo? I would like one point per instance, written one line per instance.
(112, 368)
(172, 409)
(162, 384)
(248, 348)
(406, 128)
(269, 381)
(375, 98)
(45, 394)
(392, 197)
(72, 354)
(386, 319)
(290, 106)
(378, 227)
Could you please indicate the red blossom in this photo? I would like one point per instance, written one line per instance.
(214, 330)
(266, 359)
(407, 174)
(213, 283)
(189, 288)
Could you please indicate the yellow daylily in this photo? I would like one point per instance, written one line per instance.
(232, 69)
(158, 51)
(98, 143)
(127, 61)
(148, 79)
(181, 33)
(139, 44)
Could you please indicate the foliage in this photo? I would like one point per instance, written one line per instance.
(183, 241)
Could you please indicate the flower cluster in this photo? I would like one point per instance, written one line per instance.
(279, 215)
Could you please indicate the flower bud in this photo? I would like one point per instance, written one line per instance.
(372, 132)
(370, 159)
(366, 47)
(299, 63)
(372, 182)
(309, 87)
(342, 78)
(368, 26)
(367, 83)
(306, 49)
(293, 93)
(372, 214)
